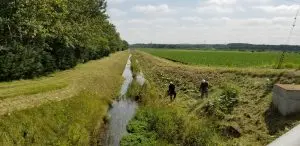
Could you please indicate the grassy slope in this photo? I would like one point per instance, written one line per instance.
(71, 121)
(24, 94)
(54, 81)
(227, 58)
(259, 124)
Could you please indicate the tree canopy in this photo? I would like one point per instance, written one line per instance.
(40, 36)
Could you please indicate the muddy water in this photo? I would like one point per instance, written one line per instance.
(122, 111)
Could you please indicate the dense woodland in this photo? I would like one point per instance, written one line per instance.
(38, 37)
(233, 46)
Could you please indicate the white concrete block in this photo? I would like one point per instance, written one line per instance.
(287, 98)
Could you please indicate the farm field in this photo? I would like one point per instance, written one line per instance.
(228, 58)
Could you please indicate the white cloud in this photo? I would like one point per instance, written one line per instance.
(280, 9)
(213, 21)
(157, 21)
(256, 22)
(219, 6)
(253, 22)
(165, 21)
(212, 9)
(192, 19)
(286, 21)
(226, 18)
(115, 1)
(152, 9)
(256, 1)
(139, 21)
(222, 2)
(116, 12)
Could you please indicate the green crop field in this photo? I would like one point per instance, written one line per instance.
(228, 58)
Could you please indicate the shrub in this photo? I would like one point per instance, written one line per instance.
(223, 104)
(136, 140)
(151, 125)
(197, 133)
(20, 62)
(136, 126)
(228, 99)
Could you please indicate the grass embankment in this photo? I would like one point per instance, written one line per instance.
(228, 58)
(237, 112)
(72, 121)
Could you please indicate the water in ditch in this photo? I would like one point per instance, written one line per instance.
(122, 111)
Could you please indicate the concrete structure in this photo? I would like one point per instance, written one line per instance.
(291, 138)
(287, 98)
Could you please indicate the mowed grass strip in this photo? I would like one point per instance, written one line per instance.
(228, 58)
(73, 121)
(52, 82)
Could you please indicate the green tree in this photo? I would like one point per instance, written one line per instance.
(40, 36)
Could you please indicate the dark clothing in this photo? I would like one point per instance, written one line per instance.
(172, 92)
(204, 94)
(204, 89)
(172, 88)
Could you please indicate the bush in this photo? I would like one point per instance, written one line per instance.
(153, 125)
(20, 62)
(137, 140)
(228, 99)
(223, 104)
(197, 134)
(136, 126)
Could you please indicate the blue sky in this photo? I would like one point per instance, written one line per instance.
(205, 21)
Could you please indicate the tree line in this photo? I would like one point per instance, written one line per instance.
(38, 37)
(232, 46)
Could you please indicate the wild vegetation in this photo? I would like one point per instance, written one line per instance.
(237, 112)
(228, 58)
(66, 108)
(38, 37)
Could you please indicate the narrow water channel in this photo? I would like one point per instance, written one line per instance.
(122, 111)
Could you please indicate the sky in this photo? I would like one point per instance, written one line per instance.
(206, 21)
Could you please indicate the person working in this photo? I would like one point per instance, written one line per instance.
(171, 91)
(204, 88)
